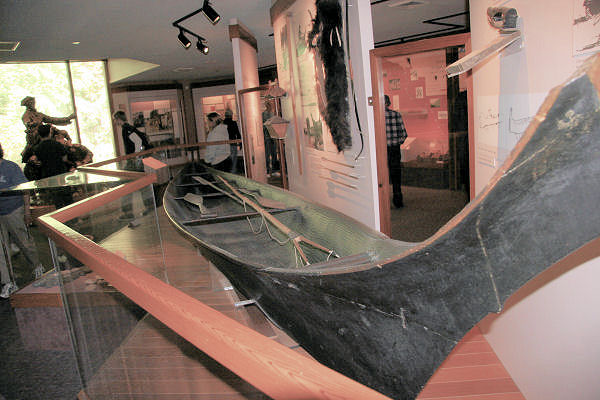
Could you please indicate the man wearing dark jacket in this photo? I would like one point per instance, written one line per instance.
(234, 134)
(134, 141)
(396, 135)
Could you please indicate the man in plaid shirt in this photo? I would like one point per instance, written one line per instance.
(396, 135)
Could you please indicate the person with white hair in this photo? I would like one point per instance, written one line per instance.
(218, 156)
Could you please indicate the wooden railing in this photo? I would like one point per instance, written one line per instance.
(146, 153)
(269, 366)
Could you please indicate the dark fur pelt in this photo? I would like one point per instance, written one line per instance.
(327, 30)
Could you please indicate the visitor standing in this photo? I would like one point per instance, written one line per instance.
(14, 216)
(51, 154)
(396, 135)
(234, 134)
(270, 149)
(217, 155)
(53, 161)
(134, 141)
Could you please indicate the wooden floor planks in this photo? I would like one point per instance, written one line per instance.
(472, 371)
(155, 363)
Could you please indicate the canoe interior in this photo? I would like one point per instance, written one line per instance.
(248, 239)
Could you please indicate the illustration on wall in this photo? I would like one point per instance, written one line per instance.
(325, 39)
(586, 35)
(304, 75)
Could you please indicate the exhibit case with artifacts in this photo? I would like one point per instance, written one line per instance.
(157, 113)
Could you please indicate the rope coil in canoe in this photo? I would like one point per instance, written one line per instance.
(295, 238)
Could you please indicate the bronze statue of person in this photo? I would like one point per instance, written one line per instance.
(32, 119)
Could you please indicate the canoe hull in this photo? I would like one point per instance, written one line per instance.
(389, 324)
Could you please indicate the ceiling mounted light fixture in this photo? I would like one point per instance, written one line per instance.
(202, 47)
(185, 42)
(210, 13)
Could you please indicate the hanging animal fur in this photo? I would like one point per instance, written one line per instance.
(325, 37)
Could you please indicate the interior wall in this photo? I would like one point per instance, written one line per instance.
(547, 337)
(518, 77)
(344, 180)
(245, 63)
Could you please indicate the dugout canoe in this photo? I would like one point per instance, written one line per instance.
(387, 313)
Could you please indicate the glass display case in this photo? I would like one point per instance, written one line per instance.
(101, 318)
(61, 190)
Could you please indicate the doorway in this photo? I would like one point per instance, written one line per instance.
(437, 114)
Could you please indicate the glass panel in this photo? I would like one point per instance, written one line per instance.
(118, 219)
(100, 317)
(36, 343)
(93, 109)
(75, 178)
(119, 350)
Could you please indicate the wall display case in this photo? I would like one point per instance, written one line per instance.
(218, 104)
(212, 99)
(216, 99)
(156, 119)
(158, 113)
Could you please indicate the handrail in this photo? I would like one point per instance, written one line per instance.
(276, 370)
(153, 150)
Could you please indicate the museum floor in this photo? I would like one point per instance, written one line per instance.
(152, 362)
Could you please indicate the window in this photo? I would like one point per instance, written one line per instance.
(54, 86)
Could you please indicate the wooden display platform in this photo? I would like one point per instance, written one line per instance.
(154, 362)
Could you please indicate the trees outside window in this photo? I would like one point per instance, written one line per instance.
(54, 86)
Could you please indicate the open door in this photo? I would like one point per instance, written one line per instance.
(437, 112)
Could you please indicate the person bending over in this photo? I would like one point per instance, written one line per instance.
(77, 154)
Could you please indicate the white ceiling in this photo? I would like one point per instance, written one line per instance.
(142, 30)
